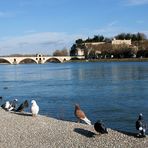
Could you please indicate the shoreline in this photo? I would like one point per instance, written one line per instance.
(100, 60)
(22, 130)
(113, 60)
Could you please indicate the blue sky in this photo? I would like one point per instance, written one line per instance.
(33, 26)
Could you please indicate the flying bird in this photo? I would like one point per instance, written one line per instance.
(34, 108)
(81, 115)
(24, 105)
(100, 127)
(141, 126)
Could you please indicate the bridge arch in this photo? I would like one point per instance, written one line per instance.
(3, 60)
(38, 59)
(75, 58)
(52, 60)
(27, 60)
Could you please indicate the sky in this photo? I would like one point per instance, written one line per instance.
(43, 26)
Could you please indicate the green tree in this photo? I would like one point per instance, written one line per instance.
(79, 41)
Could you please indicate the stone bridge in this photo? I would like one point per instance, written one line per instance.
(38, 59)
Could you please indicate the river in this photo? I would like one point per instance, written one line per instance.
(115, 92)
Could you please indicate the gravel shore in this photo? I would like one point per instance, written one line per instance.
(24, 131)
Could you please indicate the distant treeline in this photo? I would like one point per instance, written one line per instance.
(100, 38)
(139, 47)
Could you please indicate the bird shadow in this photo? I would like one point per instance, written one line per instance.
(22, 113)
(131, 134)
(84, 132)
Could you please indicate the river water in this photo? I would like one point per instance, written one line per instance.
(115, 92)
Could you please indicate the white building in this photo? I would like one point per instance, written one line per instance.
(119, 42)
(95, 43)
(79, 52)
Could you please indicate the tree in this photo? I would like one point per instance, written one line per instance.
(128, 36)
(134, 37)
(63, 52)
(107, 40)
(121, 36)
(79, 41)
(88, 40)
(141, 36)
(96, 38)
(73, 50)
(101, 38)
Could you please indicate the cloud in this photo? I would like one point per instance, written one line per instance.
(114, 28)
(136, 2)
(43, 42)
(113, 23)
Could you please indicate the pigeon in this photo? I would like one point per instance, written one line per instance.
(6, 106)
(81, 115)
(24, 105)
(13, 105)
(141, 126)
(100, 127)
(34, 108)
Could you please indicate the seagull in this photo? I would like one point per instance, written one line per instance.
(6, 106)
(24, 105)
(81, 115)
(141, 126)
(34, 108)
(100, 127)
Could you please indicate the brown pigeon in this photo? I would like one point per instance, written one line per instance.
(81, 115)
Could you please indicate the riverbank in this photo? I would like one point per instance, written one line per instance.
(113, 60)
(22, 130)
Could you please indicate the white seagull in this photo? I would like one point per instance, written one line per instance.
(34, 108)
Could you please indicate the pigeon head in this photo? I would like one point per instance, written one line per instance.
(15, 100)
(99, 121)
(77, 106)
(140, 116)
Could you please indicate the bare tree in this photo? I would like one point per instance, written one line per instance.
(63, 52)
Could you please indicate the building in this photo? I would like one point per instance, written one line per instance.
(119, 42)
(79, 52)
(94, 43)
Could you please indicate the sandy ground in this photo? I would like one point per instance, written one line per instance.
(24, 131)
